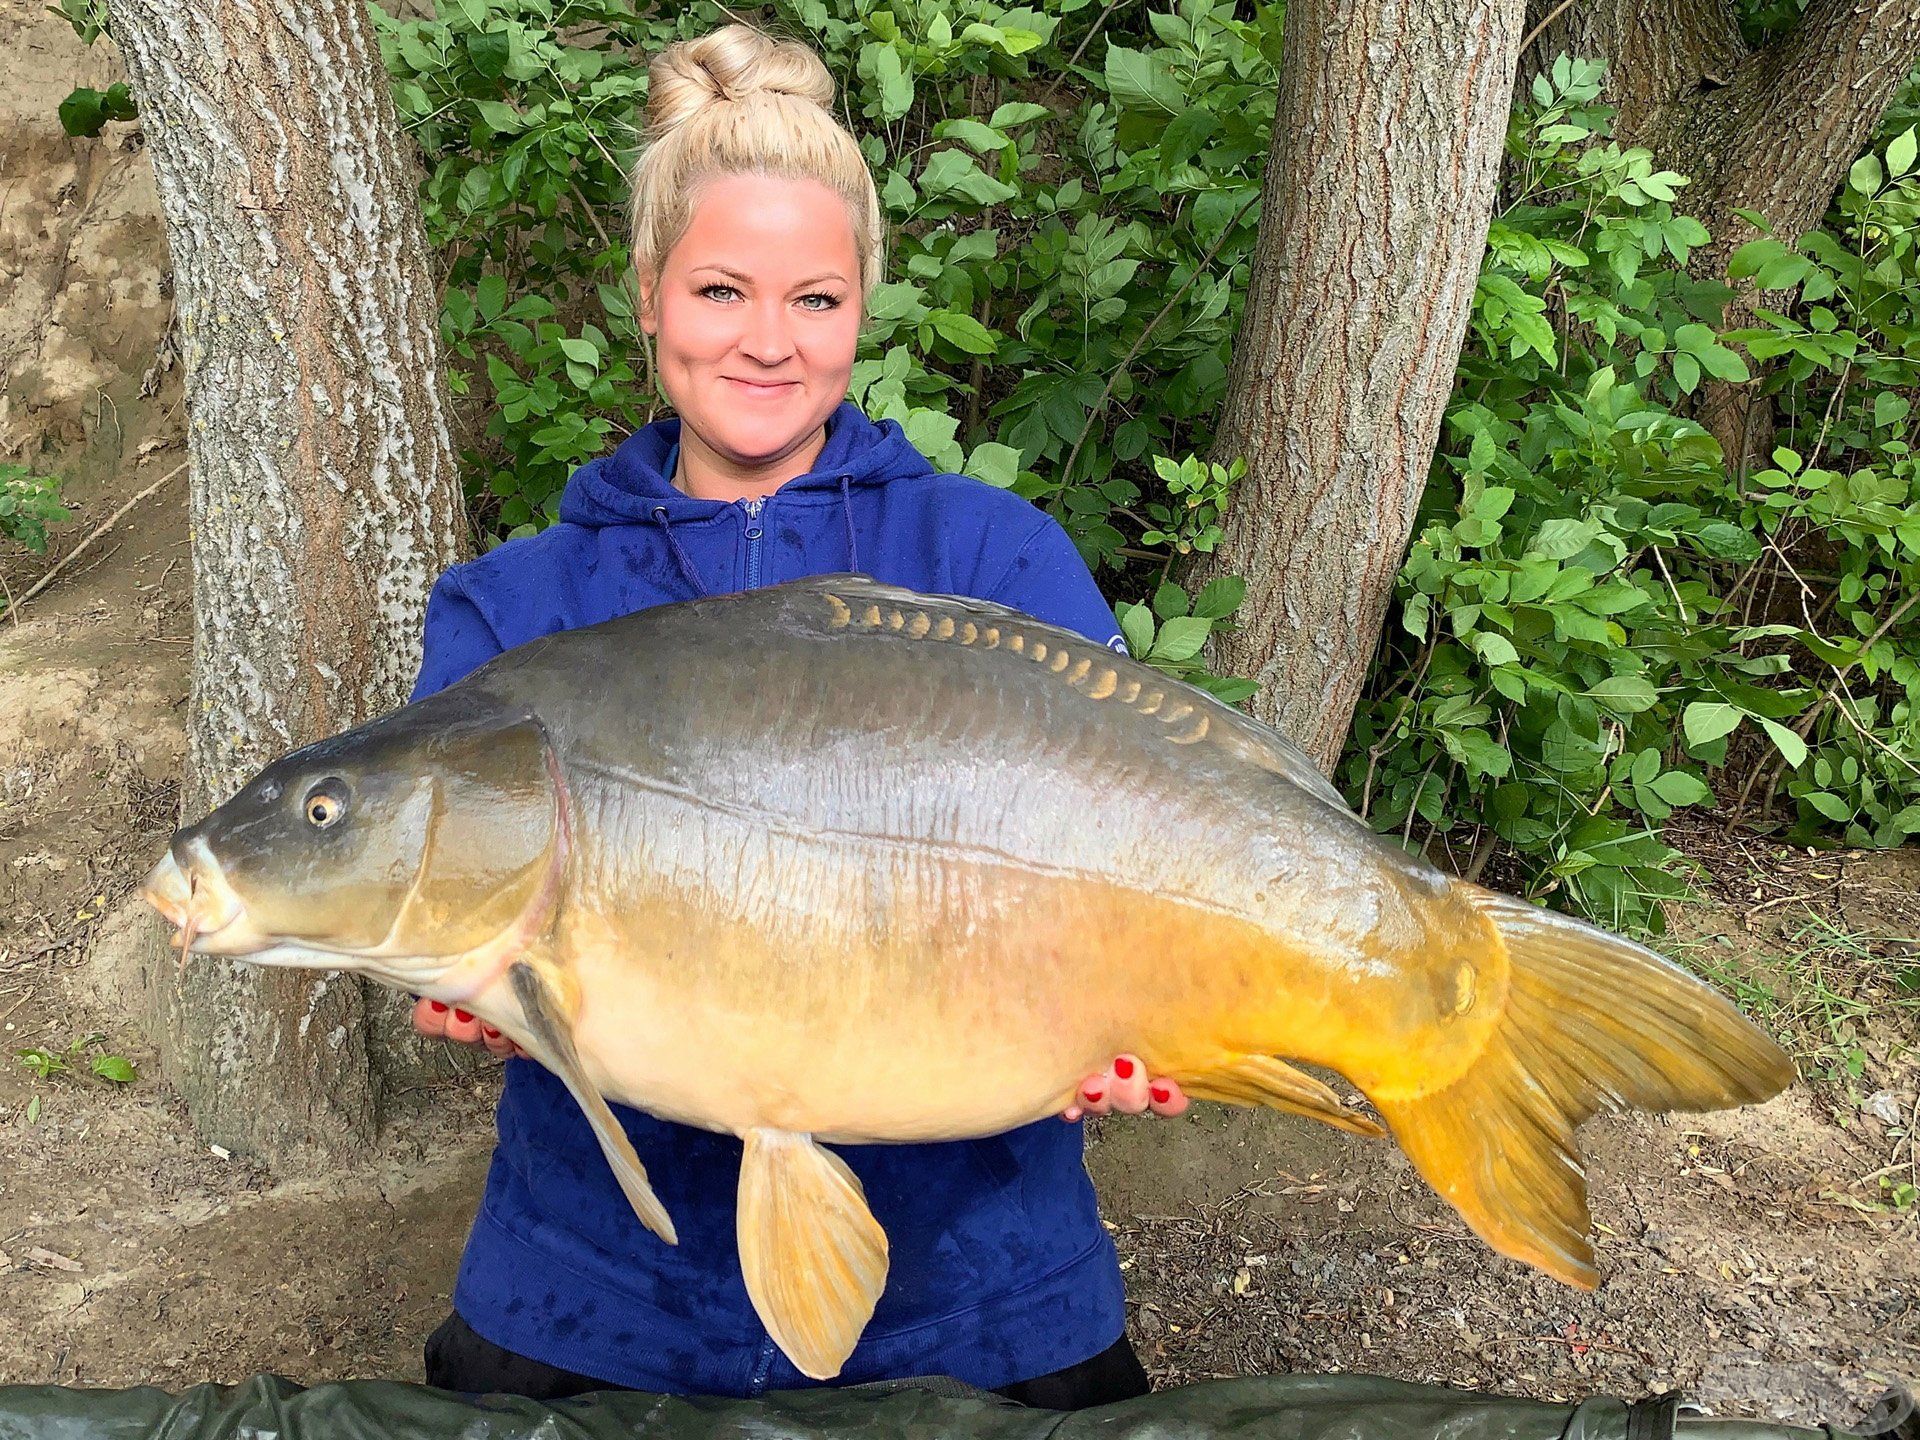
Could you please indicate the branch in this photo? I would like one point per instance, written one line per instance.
(99, 530)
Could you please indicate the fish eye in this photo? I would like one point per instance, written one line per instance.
(326, 802)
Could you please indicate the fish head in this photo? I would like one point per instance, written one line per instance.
(399, 849)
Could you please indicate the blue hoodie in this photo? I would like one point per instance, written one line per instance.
(1001, 1270)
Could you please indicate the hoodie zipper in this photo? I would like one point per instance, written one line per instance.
(754, 533)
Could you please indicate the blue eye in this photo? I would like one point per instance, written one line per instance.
(833, 301)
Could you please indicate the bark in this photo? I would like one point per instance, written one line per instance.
(1770, 129)
(1387, 146)
(324, 495)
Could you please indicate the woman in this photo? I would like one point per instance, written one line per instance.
(757, 235)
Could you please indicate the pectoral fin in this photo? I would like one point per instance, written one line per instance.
(814, 1258)
(552, 1033)
(1263, 1080)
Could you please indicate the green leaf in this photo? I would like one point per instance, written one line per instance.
(1678, 788)
(964, 331)
(1494, 649)
(1705, 721)
(1889, 406)
(113, 1067)
(490, 52)
(994, 463)
(1184, 138)
(1625, 694)
(1136, 628)
(1180, 638)
(1141, 81)
(491, 296)
(896, 86)
(1790, 744)
(1170, 600)
(1016, 112)
(953, 172)
(983, 138)
(501, 118)
(1220, 597)
(581, 352)
(1865, 175)
(1831, 806)
(1900, 153)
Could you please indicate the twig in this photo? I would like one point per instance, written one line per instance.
(104, 526)
(1534, 34)
(1074, 59)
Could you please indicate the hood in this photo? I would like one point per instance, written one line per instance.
(631, 485)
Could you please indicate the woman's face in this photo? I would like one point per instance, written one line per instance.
(756, 315)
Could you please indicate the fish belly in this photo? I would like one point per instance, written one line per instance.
(910, 993)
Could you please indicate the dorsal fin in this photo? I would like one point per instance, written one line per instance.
(861, 601)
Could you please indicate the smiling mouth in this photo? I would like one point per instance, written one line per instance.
(762, 384)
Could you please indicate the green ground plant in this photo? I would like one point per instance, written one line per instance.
(28, 504)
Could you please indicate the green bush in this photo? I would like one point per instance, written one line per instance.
(1070, 243)
(1596, 622)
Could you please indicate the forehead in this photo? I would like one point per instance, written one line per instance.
(768, 226)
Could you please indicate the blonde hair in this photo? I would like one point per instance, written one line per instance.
(738, 101)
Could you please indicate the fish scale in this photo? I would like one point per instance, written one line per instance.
(834, 862)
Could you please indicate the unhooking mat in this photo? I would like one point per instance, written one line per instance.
(1289, 1407)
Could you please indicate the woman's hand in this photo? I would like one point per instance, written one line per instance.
(437, 1021)
(1126, 1088)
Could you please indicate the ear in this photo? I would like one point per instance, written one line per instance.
(649, 288)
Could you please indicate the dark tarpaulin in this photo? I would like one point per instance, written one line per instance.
(1286, 1407)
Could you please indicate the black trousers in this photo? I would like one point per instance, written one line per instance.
(458, 1358)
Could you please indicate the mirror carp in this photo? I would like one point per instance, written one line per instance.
(833, 861)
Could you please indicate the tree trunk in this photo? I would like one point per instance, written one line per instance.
(324, 494)
(1771, 129)
(1386, 150)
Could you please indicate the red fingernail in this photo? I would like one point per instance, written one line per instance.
(493, 1034)
(437, 1007)
(1093, 1096)
(462, 1016)
(1160, 1093)
(1123, 1067)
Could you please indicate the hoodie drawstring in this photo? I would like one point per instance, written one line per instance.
(846, 509)
(679, 551)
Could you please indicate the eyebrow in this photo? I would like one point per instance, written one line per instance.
(798, 285)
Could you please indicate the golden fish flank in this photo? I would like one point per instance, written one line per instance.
(680, 856)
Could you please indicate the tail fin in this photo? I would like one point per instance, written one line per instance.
(1592, 1023)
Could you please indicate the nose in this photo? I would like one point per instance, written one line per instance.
(767, 338)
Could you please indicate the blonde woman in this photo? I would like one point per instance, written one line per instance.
(757, 235)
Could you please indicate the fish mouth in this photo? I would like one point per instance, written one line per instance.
(198, 902)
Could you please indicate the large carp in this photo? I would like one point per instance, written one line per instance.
(834, 861)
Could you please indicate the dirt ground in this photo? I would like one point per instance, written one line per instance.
(1763, 1261)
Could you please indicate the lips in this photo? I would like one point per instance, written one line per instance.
(757, 387)
(195, 899)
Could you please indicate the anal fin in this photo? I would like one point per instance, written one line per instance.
(814, 1258)
(552, 1035)
(1263, 1080)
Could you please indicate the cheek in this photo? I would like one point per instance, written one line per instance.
(833, 344)
(693, 331)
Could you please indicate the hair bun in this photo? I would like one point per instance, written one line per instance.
(730, 65)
